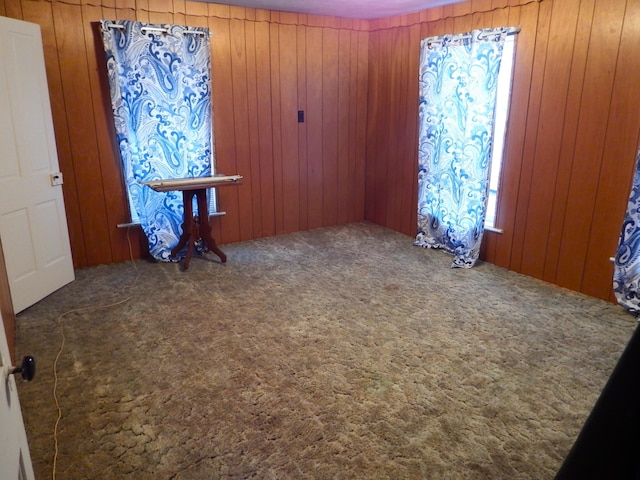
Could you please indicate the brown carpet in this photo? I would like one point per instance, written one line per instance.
(342, 353)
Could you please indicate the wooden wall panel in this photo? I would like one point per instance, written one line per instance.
(571, 141)
(342, 122)
(314, 124)
(393, 136)
(569, 135)
(615, 177)
(265, 67)
(361, 114)
(265, 130)
(330, 91)
(76, 89)
(289, 126)
(545, 118)
(371, 182)
(526, 190)
(592, 128)
(276, 121)
(224, 123)
(303, 160)
(409, 134)
(241, 162)
(381, 55)
(253, 135)
(352, 127)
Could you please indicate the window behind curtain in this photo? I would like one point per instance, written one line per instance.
(458, 86)
(500, 127)
(160, 85)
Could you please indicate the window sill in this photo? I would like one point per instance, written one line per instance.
(137, 224)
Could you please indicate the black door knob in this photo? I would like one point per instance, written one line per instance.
(27, 368)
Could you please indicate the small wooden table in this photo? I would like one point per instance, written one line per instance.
(195, 227)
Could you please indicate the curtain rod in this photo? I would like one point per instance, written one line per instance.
(154, 29)
(466, 35)
(510, 31)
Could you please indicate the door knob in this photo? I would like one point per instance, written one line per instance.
(27, 368)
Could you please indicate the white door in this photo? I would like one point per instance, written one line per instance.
(15, 459)
(33, 224)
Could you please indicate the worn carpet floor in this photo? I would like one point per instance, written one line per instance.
(341, 353)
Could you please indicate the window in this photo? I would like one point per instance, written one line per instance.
(213, 208)
(164, 128)
(499, 130)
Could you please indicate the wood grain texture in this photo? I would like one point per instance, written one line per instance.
(546, 145)
(592, 127)
(526, 191)
(569, 131)
(265, 67)
(76, 89)
(571, 137)
(314, 126)
(253, 134)
(276, 122)
(615, 176)
(330, 90)
(303, 159)
(289, 95)
(361, 113)
(224, 125)
(572, 133)
(265, 130)
(241, 162)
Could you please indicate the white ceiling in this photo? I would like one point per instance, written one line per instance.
(364, 9)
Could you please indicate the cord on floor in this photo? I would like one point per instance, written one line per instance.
(61, 350)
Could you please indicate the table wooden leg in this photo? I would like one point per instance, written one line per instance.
(205, 227)
(192, 228)
(187, 228)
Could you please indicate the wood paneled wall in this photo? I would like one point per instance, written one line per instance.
(571, 141)
(572, 135)
(265, 67)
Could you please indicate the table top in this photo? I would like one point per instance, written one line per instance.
(192, 183)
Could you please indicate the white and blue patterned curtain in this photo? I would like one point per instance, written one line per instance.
(458, 80)
(626, 271)
(160, 80)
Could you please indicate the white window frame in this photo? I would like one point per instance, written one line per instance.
(213, 209)
(501, 117)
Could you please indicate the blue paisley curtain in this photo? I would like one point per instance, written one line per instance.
(458, 80)
(160, 81)
(626, 271)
